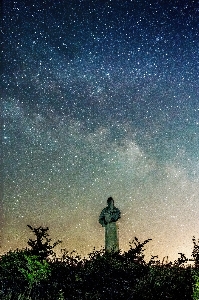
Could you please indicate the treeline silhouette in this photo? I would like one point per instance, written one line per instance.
(36, 273)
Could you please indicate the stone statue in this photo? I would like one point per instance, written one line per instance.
(107, 219)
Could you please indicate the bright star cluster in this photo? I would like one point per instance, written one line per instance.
(99, 99)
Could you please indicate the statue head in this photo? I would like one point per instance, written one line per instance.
(110, 202)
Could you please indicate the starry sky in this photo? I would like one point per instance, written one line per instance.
(100, 99)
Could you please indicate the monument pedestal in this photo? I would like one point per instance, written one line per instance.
(111, 237)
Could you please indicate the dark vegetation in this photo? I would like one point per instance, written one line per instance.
(35, 273)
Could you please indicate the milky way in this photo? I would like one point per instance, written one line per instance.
(99, 99)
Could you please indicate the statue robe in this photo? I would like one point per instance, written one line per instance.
(108, 220)
(111, 237)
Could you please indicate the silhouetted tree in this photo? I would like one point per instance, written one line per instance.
(136, 251)
(195, 252)
(181, 260)
(41, 246)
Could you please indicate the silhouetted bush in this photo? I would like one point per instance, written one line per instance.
(31, 274)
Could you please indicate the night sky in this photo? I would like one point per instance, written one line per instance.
(100, 99)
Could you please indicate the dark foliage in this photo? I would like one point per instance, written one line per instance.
(30, 274)
(11, 279)
(195, 252)
(41, 245)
